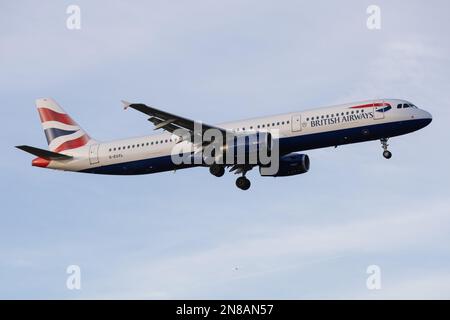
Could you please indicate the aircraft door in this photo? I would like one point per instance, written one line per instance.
(93, 153)
(296, 123)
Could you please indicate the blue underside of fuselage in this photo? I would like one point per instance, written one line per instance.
(286, 145)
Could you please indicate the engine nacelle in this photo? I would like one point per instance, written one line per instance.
(290, 165)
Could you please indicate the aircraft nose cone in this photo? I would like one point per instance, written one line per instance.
(427, 118)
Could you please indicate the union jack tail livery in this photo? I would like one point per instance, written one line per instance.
(61, 131)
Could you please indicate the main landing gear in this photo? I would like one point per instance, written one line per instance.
(217, 170)
(386, 153)
(243, 183)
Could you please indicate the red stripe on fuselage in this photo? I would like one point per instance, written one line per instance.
(50, 115)
(370, 105)
(72, 144)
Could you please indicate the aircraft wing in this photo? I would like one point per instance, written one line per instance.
(168, 121)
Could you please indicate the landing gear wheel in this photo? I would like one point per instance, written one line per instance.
(243, 183)
(217, 170)
(387, 154)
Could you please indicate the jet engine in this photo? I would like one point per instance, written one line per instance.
(290, 164)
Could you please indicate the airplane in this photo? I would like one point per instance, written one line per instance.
(72, 149)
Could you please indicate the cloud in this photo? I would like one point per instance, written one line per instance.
(263, 252)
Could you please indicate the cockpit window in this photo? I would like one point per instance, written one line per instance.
(406, 105)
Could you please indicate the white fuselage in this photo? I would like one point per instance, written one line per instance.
(297, 131)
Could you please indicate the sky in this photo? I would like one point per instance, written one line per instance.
(190, 235)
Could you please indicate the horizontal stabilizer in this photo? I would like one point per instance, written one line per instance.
(49, 155)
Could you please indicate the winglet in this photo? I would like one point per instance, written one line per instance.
(126, 104)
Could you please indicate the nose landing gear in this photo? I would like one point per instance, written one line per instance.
(386, 153)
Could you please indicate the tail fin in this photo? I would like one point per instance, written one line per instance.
(61, 131)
